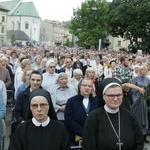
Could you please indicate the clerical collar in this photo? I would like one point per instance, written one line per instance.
(111, 111)
(43, 124)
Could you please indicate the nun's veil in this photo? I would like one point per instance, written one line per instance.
(102, 86)
(45, 94)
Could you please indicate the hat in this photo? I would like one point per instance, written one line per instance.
(49, 62)
(45, 94)
(104, 85)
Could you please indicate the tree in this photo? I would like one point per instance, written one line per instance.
(13, 38)
(130, 19)
(68, 42)
(89, 23)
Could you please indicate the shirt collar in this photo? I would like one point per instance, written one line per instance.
(43, 124)
(111, 111)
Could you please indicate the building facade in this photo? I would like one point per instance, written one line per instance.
(3, 25)
(55, 33)
(22, 16)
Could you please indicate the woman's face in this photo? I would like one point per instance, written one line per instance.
(90, 74)
(113, 64)
(143, 71)
(63, 81)
(28, 72)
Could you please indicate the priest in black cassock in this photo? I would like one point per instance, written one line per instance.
(111, 127)
(43, 131)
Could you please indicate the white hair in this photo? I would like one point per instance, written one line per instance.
(77, 72)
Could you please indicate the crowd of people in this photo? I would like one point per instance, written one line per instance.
(86, 98)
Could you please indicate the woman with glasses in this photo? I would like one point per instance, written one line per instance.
(43, 131)
(77, 109)
(49, 77)
(111, 127)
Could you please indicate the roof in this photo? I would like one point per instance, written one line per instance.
(19, 35)
(26, 9)
(3, 8)
(9, 4)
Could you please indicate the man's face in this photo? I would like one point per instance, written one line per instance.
(51, 68)
(113, 97)
(126, 62)
(35, 81)
(39, 108)
(68, 63)
(86, 87)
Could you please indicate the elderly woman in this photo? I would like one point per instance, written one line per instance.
(139, 107)
(60, 93)
(49, 77)
(111, 127)
(37, 63)
(90, 73)
(77, 76)
(42, 130)
(77, 109)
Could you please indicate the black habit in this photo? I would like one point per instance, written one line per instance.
(27, 136)
(99, 135)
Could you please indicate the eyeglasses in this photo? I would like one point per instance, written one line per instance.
(111, 97)
(85, 85)
(52, 66)
(42, 105)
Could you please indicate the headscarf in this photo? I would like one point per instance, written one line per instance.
(104, 85)
(46, 95)
(49, 62)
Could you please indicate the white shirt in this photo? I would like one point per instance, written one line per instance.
(86, 102)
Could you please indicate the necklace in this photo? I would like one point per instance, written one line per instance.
(119, 143)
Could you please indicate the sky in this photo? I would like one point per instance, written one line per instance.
(60, 10)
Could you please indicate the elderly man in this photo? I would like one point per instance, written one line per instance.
(111, 127)
(43, 131)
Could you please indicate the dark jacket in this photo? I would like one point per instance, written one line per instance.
(22, 106)
(75, 115)
(64, 70)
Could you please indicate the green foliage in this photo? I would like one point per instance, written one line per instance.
(130, 19)
(89, 23)
(68, 42)
(13, 38)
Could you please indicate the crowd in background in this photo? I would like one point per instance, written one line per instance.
(60, 71)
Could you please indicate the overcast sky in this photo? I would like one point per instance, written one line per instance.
(60, 10)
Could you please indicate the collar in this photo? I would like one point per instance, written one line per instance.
(59, 87)
(111, 111)
(43, 124)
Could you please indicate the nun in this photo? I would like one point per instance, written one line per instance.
(49, 77)
(111, 127)
(43, 131)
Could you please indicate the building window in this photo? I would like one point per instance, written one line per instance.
(18, 25)
(34, 30)
(3, 18)
(26, 26)
(2, 31)
(119, 43)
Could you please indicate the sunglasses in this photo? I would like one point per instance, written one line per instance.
(52, 66)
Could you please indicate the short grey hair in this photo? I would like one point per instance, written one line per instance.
(77, 72)
(61, 75)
